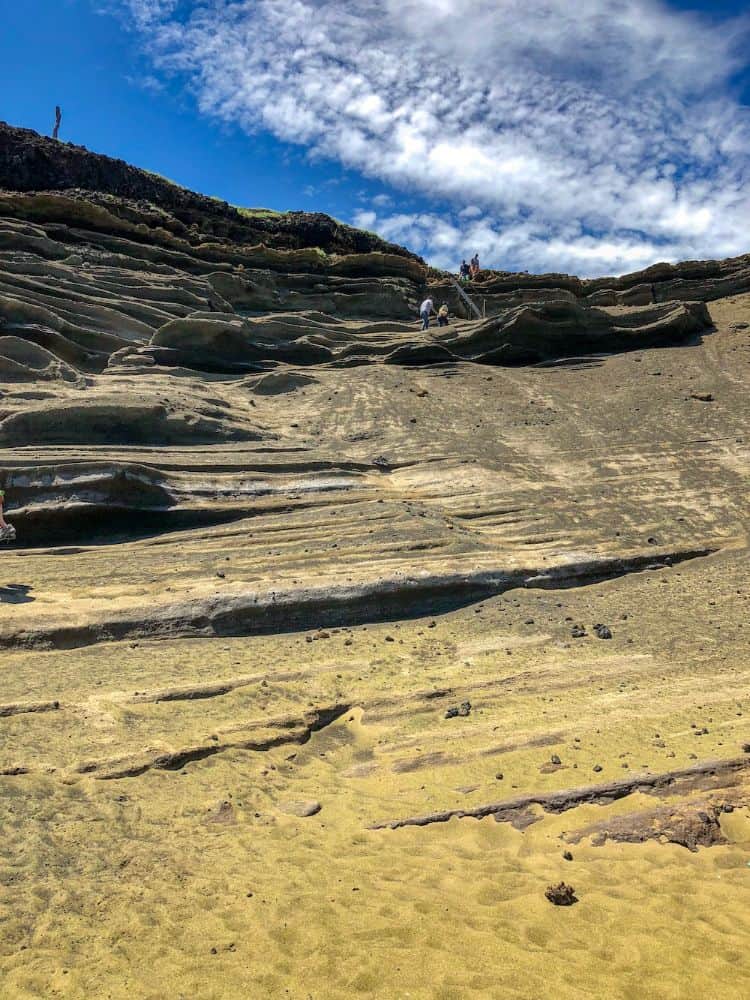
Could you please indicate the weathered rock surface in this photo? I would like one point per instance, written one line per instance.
(270, 536)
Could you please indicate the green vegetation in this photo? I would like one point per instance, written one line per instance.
(258, 213)
(167, 180)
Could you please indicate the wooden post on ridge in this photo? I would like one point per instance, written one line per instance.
(58, 119)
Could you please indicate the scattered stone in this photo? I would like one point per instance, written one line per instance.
(578, 632)
(223, 814)
(382, 463)
(459, 711)
(567, 856)
(555, 759)
(598, 768)
(703, 397)
(561, 894)
(303, 809)
(602, 632)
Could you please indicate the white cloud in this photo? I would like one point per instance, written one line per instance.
(595, 136)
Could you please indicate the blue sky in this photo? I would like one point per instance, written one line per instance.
(593, 137)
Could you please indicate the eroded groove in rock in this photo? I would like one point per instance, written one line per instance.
(259, 737)
(110, 524)
(559, 802)
(28, 708)
(385, 600)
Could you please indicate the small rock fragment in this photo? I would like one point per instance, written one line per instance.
(561, 894)
(459, 711)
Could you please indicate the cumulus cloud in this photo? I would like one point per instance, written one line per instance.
(597, 136)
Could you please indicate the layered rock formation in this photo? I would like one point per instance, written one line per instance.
(690, 281)
(329, 645)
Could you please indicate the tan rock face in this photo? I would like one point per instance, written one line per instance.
(267, 552)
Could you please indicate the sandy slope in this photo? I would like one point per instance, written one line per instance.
(191, 878)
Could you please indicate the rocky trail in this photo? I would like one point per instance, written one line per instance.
(331, 647)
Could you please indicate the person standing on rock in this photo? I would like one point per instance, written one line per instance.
(465, 271)
(425, 310)
(7, 531)
(443, 315)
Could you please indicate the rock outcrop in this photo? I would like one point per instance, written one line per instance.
(690, 281)
(523, 335)
(32, 162)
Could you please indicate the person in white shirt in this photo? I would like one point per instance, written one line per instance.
(424, 312)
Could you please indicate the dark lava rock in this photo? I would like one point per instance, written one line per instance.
(459, 711)
(602, 632)
(703, 397)
(561, 895)
(555, 759)
(691, 825)
(33, 162)
(598, 768)
(578, 632)
(382, 463)
(567, 856)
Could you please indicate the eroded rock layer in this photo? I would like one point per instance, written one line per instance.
(331, 648)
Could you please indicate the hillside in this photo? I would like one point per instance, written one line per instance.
(330, 645)
(31, 162)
